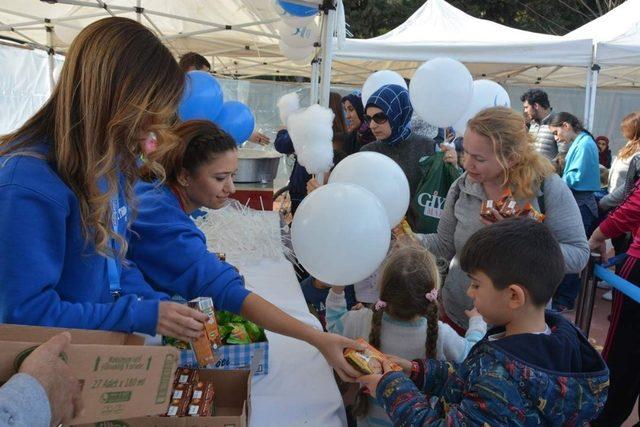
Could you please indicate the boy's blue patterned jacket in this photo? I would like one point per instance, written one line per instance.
(520, 380)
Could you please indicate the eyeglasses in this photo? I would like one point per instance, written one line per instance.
(379, 118)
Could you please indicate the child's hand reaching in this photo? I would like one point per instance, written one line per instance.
(405, 364)
(370, 382)
(472, 313)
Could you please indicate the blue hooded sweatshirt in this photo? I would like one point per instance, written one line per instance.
(172, 252)
(49, 274)
(520, 380)
(582, 164)
(394, 101)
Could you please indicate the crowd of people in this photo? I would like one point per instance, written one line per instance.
(471, 313)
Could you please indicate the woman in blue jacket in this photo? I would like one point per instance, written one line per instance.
(172, 252)
(582, 175)
(66, 180)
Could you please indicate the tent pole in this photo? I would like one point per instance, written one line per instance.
(592, 101)
(50, 57)
(315, 64)
(328, 24)
(139, 11)
(587, 97)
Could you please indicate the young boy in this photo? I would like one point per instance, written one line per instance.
(534, 368)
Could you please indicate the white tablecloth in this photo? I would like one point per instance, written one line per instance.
(300, 388)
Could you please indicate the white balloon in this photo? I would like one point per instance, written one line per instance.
(378, 79)
(340, 233)
(300, 35)
(379, 174)
(440, 91)
(289, 18)
(486, 93)
(300, 55)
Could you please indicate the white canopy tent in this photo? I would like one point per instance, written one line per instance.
(616, 58)
(239, 37)
(489, 50)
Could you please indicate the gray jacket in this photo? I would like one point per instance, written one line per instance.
(461, 218)
(618, 195)
(544, 141)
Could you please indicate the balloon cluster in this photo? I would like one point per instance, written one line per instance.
(298, 31)
(341, 231)
(202, 99)
(442, 92)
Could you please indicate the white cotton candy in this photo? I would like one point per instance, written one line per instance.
(311, 131)
(287, 104)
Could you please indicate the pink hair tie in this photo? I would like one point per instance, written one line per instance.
(432, 295)
(380, 305)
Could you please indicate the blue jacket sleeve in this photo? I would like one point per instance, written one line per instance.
(23, 402)
(32, 244)
(171, 252)
(133, 282)
(283, 142)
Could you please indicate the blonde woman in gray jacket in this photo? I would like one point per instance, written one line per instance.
(499, 155)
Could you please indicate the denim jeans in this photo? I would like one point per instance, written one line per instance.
(567, 291)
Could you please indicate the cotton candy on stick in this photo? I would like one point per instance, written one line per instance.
(311, 131)
(287, 104)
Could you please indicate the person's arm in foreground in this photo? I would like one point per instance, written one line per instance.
(267, 315)
(44, 392)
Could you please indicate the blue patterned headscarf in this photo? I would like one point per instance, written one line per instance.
(393, 100)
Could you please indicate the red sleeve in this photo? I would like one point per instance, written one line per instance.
(624, 219)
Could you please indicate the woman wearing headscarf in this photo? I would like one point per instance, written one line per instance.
(388, 114)
(358, 130)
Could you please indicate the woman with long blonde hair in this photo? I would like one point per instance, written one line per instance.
(499, 156)
(66, 188)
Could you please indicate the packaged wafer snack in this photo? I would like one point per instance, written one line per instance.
(368, 361)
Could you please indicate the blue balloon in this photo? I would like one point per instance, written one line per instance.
(297, 9)
(237, 120)
(202, 97)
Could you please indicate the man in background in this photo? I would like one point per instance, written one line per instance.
(537, 112)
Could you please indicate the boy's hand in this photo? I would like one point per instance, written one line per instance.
(358, 306)
(370, 382)
(472, 313)
(405, 364)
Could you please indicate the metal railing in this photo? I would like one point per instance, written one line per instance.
(586, 297)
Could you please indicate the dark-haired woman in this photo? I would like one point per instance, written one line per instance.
(172, 252)
(582, 175)
(358, 130)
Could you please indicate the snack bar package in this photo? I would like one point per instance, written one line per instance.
(185, 376)
(368, 361)
(531, 212)
(202, 400)
(486, 210)
(202, 347)
(509, 208)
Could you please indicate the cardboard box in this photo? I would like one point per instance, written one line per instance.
(121, 377)
(232, 402)
(253, 356)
